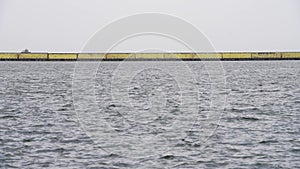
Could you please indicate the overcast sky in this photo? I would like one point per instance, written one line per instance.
(230, 25)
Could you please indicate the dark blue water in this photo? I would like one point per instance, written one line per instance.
(150, 115)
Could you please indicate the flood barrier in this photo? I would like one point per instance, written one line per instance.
(151, 56)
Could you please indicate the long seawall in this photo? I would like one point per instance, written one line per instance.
(149, 56)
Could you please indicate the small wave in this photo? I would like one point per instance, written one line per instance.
(112, 155)
(122, 165)
(295, 150)
(267, 141)
(231, 119)
(27, 140)
(111, 106)
(51, 150)
(181, 165)
(7, 117)
(62, 109)
(249, 118)
(168, 157)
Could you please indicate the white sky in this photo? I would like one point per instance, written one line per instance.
(231, 25)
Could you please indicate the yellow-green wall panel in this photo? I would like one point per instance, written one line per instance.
(119, 56)
(170, 56)
(208, 56)
(91, 56)
(149, 55)
(178, 55)
(8, 55)
(184, 55)
(266, 55)
(291, 55)
(63, 56)
(33, 56)
(236, 55)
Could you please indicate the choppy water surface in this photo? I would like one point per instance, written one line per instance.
(152, 118)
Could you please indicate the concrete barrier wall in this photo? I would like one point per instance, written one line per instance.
(155, 56)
